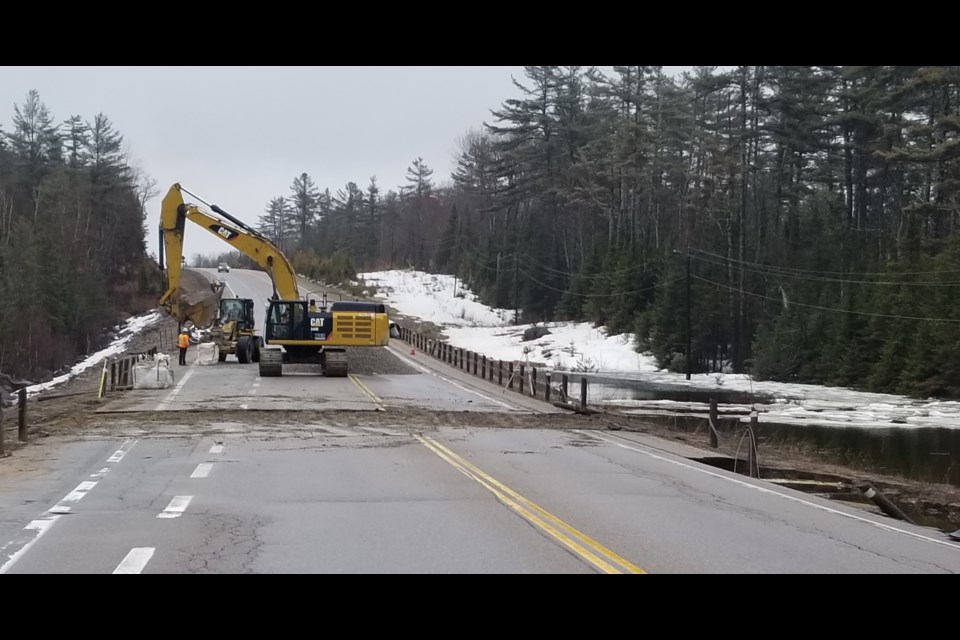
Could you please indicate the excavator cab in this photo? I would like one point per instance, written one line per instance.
(287, 320)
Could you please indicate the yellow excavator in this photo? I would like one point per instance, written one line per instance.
(295, 331)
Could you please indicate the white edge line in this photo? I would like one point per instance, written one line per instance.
(135, 561)
(434, 373)
(40, 526)
(177, 388)
(769, 491)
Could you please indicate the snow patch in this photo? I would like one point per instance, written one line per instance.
(127, 332)
(581, 347)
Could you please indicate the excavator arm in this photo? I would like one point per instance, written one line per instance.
(174, 213)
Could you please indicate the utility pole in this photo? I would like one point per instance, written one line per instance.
(688, 364)
(456, 259)
(516, 289)
(456, 268)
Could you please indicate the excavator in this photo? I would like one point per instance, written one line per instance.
(295, 332)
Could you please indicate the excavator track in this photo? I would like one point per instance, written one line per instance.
(334, 363)
(271, 362)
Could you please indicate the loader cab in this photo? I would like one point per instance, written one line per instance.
(240, 310)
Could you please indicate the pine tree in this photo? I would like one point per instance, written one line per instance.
(446, 256)
(303, 204)
(274, 223)
(76, 140)
(373, 212)
(104, 148)
(35, 140)
(419, 188)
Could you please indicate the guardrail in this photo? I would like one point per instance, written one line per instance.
(521, 376)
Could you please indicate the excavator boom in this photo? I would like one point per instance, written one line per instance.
(174, 213)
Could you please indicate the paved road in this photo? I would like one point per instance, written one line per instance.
(382, 499)
(378, 473)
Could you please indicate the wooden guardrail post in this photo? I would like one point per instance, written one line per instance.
(510, 381)
(520, 389)
(546, 389)
(752, 462)
(565, 387)
(483, 367)
(102, 389)
(1, 426)
(22, 432)
(500, 372)
(476, 357)
(583, 394)
(714, 442)
(533, 382)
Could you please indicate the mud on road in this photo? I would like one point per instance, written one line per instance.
(71, 411)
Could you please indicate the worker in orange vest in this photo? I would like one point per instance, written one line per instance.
(183, 341)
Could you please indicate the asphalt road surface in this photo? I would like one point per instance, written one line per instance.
(405, 466)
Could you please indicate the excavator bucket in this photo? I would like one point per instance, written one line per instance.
(199, 300)
(202, 313)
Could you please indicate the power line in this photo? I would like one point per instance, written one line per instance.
(798, 276)
(604, 274)
(814, 306)
(600, 295)
(814, 271)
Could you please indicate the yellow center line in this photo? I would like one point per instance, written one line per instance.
(579, 543)
(370, 394)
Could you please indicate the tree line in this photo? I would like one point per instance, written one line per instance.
(72, 250)
(811, 212)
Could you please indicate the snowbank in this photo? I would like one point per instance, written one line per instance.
(580, 347)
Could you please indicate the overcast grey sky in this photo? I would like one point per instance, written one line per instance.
(237, 136)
